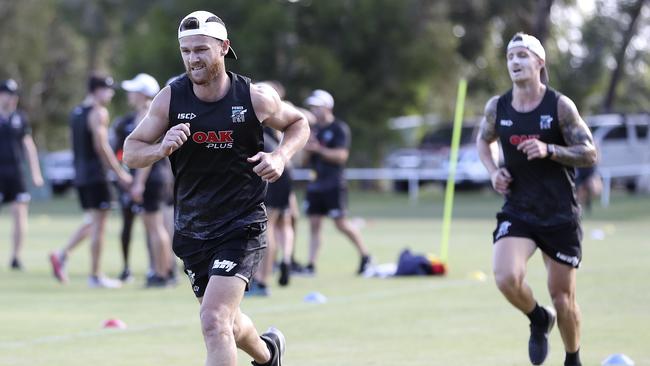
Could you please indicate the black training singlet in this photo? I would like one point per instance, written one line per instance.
(88, 166)
(216, 190)
(121, 129)
(12, 131)
(542, 191)
(329, 175)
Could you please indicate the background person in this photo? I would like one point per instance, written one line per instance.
(328, 150)
(16, 146)
(92, 157)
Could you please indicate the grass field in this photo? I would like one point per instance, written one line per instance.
(453, 320)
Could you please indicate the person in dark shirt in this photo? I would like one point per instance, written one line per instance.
(147, 193)
(209, 123)
(543, 138)
(16, 146)
(329, 148)
(92, 156)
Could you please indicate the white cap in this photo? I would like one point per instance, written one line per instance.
(207, 24)
(142, 83)
(533, 45)
(320, 98)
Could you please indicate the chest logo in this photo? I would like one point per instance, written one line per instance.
(187, 116)
(238, 114)
(506, 122)
(214, 139)
(545, 122)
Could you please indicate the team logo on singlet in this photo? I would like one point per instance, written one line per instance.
(238, 114)
(214, 139)
(506, 122)
(503, 229)
(16, 122)
(545, 122)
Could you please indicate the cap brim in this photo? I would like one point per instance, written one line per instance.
(314, 102)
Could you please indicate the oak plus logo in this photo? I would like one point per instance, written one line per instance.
(214, 139)
(506, 122)
(518, 139)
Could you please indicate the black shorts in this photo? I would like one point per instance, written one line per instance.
(561, 242)
(153, 197)
(237, 253)
(583, 175)
(13, 189)
(278, 192)
(96, 196)
(332, 203)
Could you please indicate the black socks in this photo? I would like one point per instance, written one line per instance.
(538, 316)
(572, 359)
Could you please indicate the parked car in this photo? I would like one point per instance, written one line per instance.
(623, 143)
(59, 170)
(433, 153)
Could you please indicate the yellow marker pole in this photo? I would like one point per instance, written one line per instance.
(453, 161)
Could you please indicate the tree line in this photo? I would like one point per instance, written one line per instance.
(379, 58)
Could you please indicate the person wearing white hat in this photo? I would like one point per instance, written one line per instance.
(146, 194)
(209, 123)
(543, 139)
(16, 146)
(328, 150)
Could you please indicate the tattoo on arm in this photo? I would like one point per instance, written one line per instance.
(488, 129)
(580, 150)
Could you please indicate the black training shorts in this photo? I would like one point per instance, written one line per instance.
(96, 196)
(13, 189)
(332, 203)
(561, 243)
(238, 253)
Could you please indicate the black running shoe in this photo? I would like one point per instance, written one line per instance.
(16, 265)
(284, 274)
(125, 276)
(538, 341)
(365, 262)
(277, 343)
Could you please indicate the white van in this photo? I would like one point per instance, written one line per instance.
(623, 142)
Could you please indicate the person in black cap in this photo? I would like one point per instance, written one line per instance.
(16, 145)
(209, 123)
(92, 154)
(543, 138)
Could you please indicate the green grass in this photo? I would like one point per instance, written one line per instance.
(453, 320)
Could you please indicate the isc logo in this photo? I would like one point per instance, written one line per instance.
(187, 116)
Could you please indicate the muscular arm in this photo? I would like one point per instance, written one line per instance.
(580, 150)
(32, 160)
(486, 146)
(98, 121)
(142, 147)
(283, 117)
(487, 136)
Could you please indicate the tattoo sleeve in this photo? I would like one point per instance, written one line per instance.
(580, 150)
(487, 130)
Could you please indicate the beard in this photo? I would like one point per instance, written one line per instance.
(209, 74)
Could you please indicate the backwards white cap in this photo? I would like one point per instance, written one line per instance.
(320, 98)
(142, 83)
(207, 24)
(533, 45)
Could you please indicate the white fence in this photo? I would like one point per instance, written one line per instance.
(414, 176)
